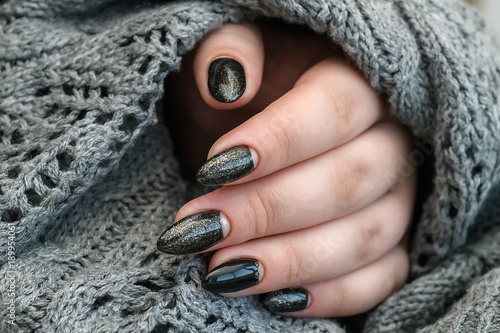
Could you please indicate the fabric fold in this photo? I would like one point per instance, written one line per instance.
(88, 180)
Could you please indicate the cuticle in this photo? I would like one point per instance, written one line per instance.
(228, 222)
(261, 269)
(255, 163)
(230, 57)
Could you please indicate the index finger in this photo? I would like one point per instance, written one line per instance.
(329, 105)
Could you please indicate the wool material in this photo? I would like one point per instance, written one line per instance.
(88, 179)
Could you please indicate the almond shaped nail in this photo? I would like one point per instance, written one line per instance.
(227, 166)
(226, 80)
(193, 233)
(286, 300)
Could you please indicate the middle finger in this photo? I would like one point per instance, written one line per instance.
(343, 180)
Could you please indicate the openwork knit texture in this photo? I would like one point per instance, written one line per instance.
(89, 181)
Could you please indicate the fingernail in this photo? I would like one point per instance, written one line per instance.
(194, 233)
(226, 80)
(233, 275)
(227, 166)
(286, 300)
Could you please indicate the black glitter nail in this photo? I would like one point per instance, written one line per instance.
(233, 275)
(227, 166)
(286, 300)
(193, 233)
(226, 80)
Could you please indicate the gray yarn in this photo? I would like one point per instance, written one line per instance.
(89, 180)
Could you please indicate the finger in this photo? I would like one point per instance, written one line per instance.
(322, 252)
(350, 294)
(326, 187)
(330, 104)
(228, 66)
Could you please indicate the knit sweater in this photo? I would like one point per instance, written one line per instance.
(88, 179)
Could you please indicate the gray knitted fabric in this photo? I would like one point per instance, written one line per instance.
(88, 180)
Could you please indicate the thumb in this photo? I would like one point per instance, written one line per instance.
(228, 66)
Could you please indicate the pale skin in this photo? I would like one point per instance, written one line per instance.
(326, 208)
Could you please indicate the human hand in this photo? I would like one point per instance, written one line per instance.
(314, 198)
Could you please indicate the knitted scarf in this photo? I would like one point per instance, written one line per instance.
(88, 180)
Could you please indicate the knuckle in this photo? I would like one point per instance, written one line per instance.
(292, 270)
(279, 133)
(342, 104)
(369, 235)
(262, 211)
(339, 297)
(347, 177)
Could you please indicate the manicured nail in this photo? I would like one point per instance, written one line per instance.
(226, 80)
(286, 300)
(194, 233)
(227, 166)
(233, 275)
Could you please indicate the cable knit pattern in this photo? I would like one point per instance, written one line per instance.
(88, 180)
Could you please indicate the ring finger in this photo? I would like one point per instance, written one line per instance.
(315, 254)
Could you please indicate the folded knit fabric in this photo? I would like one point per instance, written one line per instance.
(88, 180)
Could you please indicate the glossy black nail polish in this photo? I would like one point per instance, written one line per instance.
(227, 166)
(286, 300)
(193, 233)
(226, 80)
(233, 275)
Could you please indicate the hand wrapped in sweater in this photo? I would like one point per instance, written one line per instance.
(317, 193)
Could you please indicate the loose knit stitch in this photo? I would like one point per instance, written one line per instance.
(88, 180)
